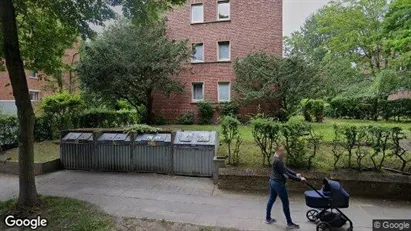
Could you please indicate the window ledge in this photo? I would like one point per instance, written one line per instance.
(226, 61)
(209, 22)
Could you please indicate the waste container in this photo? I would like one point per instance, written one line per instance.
(152, 153)
(77, 151)
(114, 152)
(194, 152)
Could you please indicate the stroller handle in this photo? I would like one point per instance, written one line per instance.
(312, 187)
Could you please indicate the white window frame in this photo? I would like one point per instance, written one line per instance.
(37, 91)
(229, 92)
(229, 10)
(218, 51)
(35, 76)
(191, 12)
(192, 92)
(198, 61)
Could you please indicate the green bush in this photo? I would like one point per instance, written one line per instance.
(62, 111)
(231, 137)
(206, 112)
(266, 133)
(8, 131)
(369, 108)
(42, 129)
(103, 118)
(142, 128)
(313, 108)
(229, 109)
(186, 119)
(159, 119)
(301, 143)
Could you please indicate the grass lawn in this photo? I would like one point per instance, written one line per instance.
(250, 153)
(43, 152)
(74, 215)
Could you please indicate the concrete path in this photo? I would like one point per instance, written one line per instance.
(189, 200)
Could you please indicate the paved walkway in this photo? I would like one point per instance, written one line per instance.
(189, 200)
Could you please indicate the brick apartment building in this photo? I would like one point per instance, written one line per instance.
(220, 31)
(39, 84)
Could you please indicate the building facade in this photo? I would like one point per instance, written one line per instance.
(220, 31)
(39, 84)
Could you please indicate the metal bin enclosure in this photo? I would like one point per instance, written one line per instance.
(152, 153)
(77, 151)
(114, 152)
(194, 152)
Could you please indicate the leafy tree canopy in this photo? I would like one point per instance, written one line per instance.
(397, 27)
(131, 63)
(276, 81)
(47, 28)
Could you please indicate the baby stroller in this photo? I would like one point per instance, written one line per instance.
(326, 204)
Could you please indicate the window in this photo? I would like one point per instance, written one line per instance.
(223, 51)
(33, 75)
(223, 10)
(198, 92)
(198, 53)
(197, 13)
(224, 92)
(34, 95)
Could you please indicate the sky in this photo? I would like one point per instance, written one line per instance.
(294, 13)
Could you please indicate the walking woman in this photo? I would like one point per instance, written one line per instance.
(279, 176)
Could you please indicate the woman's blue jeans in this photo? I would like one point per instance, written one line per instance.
(279, 189)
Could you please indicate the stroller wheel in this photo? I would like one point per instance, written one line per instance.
(323, 226)
(312, 215)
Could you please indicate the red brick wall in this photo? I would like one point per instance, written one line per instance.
(254, 26)
(43, 83)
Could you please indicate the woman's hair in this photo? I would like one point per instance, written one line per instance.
(280, 148)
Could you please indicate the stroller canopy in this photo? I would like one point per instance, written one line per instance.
(332, 194)
(337, 192)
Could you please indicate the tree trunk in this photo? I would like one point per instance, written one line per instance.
(15, 67)
(149, 107)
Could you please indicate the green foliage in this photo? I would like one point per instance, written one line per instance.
(159, 119)
(103, 118)
(142, 129)
(131, 62)
(398, 137)
(123, 105)
(369, 108)
(379, 137)
(42, 129)
(397, 24)
(232, 138)
(186, 119)
(266, 133)
(313, 108)
(280, 83)
(8, 131)
(294, 135)
(364, 139)
(229, 109)
(206, 112)
(301, 143)
(62, 110)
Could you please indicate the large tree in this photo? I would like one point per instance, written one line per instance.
(37, 32)
(397, 29)
(132, 63)
(280, 83)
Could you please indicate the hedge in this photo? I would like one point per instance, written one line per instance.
(369, 108)
(9, 131)
(45, 130)
(101, 118)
